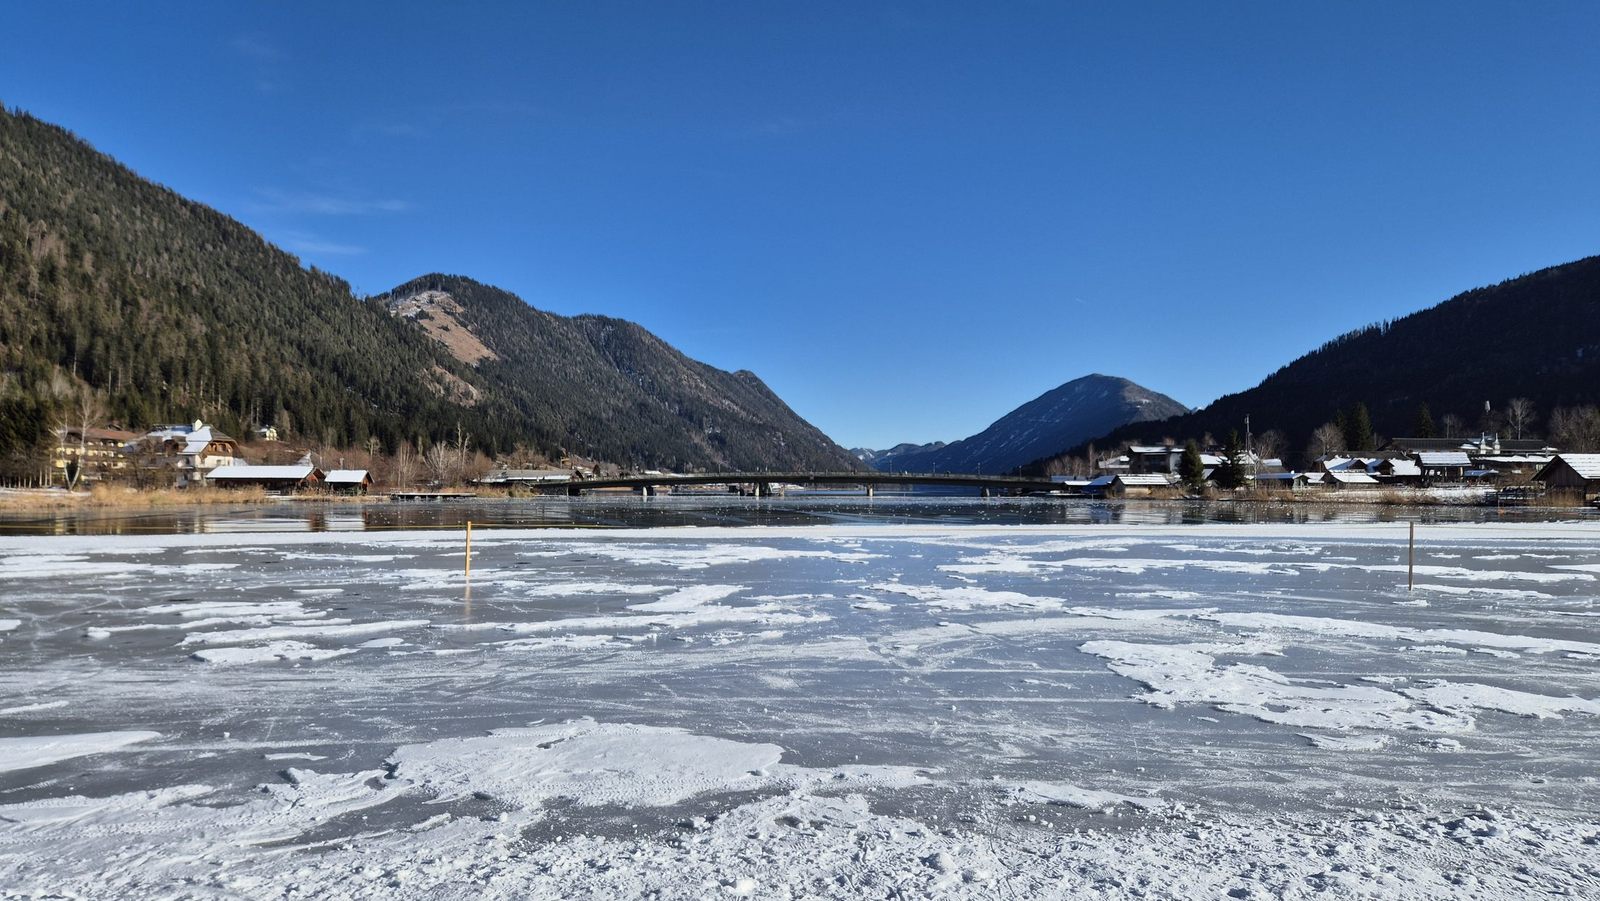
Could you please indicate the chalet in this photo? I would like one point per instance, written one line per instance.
(294, 477)
(1368, 465)
(1518, 467)
(348, 481)
(1099, 485)
(1443, 466)
(1508, 458)
(1483, 445)
(1070, 484)
(192, 450)
(1154, 458)
(1398, 471)
(1122, 463)
(89, 455)
(1349, 480)
(1571, 472)
(1283, 481)
(1134, 484)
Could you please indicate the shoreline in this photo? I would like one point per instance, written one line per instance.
(44, 499)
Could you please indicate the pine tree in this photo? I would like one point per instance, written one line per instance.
(1191, 467)
(1231, 473)
(1358, 429)
(1424, 427)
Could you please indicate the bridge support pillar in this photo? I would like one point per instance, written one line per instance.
(871, 490)
(988, 492)
(646, 490)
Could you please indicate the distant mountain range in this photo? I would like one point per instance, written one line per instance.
(170, 311)
(1536, 337)
(1061, 417)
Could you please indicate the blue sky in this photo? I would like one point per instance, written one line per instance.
(907, 218)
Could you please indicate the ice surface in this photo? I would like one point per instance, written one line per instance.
(985, 711)
(272, 650)
(274, 633)
(1087, 798)
(583, 761)
(29, 751)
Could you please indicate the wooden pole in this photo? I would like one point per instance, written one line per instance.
(1411, 559)
(469, 548)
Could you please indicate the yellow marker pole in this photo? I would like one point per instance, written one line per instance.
(469, 548)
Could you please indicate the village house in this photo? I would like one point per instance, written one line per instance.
(348, 481)
(1347, 480)
(1143, 458)
(1134, 484)
(192, 451)
(1282, 481)
(1398, 471)
(89, 455)
(1572, 472)
(1443, 466)
(284, 479)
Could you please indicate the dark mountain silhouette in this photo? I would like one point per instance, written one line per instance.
(1073, 412)
(1536, 337)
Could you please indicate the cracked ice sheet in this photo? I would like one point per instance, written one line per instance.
(1015, 694)
(794, 843)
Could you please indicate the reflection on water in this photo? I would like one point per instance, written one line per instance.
(720, 510)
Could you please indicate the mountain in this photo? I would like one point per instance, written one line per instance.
(886, 460)
(607, 386)
(1536, 337)
(1061, 417)
(168, 310)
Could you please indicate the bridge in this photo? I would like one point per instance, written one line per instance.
(761, 484)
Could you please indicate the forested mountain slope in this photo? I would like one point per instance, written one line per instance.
(168, 310)
(1536, 337)
(607, 383)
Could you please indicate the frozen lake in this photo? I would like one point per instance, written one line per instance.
(934, 705)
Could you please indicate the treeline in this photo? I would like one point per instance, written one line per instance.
(171, 311)
(1536, 338)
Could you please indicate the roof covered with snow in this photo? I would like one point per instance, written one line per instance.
(1443, 458)
(344, 476)
(1143, 479)
(1586, 465)
(255, 473)
(1352, 478)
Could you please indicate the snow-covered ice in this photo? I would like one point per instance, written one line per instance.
(909, 711)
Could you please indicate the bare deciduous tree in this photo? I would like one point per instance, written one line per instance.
(1270, 444)
(403, 467)
(1519, 414)
(86, 412)
(1576, 429)
(1452, 425)
(1327, 440)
